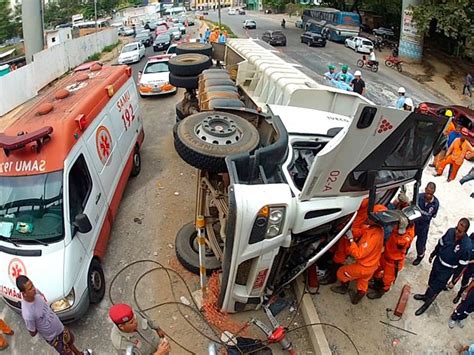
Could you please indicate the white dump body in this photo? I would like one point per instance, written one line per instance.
(268, 79)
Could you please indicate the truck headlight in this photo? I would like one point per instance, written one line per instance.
(275, 221)
(64, 303)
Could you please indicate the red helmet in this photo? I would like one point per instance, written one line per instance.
(423, 108)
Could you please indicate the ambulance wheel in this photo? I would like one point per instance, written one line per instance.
(95, 282)
(193, 47)
(186, 82)
(205, 139)
(187, 251)
(137, 164)
(189, 64)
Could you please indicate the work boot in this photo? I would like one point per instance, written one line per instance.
(376, 293)
(330, 277)
(356, 296)
(423, 308)
(417, 261)
(376, 284)
(342, 288)
(419, 297)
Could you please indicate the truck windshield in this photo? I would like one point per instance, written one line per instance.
(31, 208)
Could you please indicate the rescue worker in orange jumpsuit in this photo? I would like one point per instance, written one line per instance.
(455, 155)
(214, 35)
(393, 258)
(5, 329)
(366, 252)
(449, 128)
(342, 246)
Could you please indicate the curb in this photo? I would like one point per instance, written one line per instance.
(310, 315)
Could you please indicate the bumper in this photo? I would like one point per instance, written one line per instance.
(128, 61)
(157, 93)
(70, 315)
(160, 47)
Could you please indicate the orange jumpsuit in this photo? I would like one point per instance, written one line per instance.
(214, 36)
(455, 157)
(441, 155)
(367, 252)
(5, 329)
(393, 258)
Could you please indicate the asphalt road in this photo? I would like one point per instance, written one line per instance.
(381, 86)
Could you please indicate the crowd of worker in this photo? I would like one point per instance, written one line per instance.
(217, 35)
(379, 255)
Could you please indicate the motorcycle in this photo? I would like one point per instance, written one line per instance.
(394, 63)
(372, 65)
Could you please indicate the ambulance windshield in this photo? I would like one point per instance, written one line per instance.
(31, 208)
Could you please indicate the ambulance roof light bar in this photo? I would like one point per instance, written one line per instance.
(10, 143)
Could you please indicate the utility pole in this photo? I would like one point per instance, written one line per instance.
(96, 27)
(33, 34)
(219, 13)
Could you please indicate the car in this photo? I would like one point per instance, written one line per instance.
(274, 38)
(242, 12)
(231, 11)
(249, 24)
(160, 29)
(299, 24)
(182, 27)
(131, 53)
(359, 44)
(175, 32)
(162, 42)
(146, 38)
(151, 25)
(125, 31)
(154, 79)
(313, 39)
(172, 49)
(384, 32)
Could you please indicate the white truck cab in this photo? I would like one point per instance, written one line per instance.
(283, 167)
(64, 166)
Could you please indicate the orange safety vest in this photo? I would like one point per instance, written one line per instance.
(458, 150)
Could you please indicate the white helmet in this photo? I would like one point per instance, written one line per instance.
(401, 90)
(357, 73)
(408, 102)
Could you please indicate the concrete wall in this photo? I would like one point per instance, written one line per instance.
(23, 84)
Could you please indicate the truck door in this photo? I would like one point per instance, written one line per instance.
(381, 147)
(85, 196)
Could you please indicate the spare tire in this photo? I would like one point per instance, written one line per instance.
(187, 251)
(194, 47)
(187, 82)
(189, 64)
(205, 139)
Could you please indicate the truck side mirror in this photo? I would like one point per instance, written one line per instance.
(82, 223)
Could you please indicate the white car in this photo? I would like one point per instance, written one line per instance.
(171, 51)
(176, 32)
(154, 79)
(231, 11)
(250, 24)
(131, 53)
(182, 27)
(359, 44)
(125, 31)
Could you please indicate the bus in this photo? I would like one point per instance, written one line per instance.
(333, 24)
(91, 24)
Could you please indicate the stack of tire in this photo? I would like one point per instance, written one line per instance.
(216, 89)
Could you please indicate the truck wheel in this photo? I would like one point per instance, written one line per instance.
(191, 47)
(187, 82)
(95, 282)
(137, 164)
(189, 64)
(187, 251)
(205, 139)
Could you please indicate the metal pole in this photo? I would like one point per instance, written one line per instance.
(96, 27)
(219, 12)
(32, 19)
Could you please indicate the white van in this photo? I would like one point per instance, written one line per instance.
(64, 166)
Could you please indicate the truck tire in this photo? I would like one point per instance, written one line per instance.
(205, 139)
(194, 47)
(189, 64)
(95, 282)
(187, 251)
(187, 82)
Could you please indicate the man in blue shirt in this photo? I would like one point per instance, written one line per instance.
(348, 77)
(401, 98)
(452, 251)
(467, 274)
(429, 206)
(207, 34)
(331, 73)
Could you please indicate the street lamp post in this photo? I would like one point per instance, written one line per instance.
(96, 27)
(219, 13)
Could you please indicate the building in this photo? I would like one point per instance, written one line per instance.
(55, 37)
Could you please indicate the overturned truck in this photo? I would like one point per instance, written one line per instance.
(283, 164)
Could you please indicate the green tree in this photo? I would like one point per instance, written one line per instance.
(7, 24)
(452, 18)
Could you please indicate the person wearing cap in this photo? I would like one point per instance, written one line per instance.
(393, 257)
(347, 75)
(453, 250)
(366, 251)
(330, 75)
(357, 84)
(134, 330)
(401, 98)
(408, 104)
(455, 155)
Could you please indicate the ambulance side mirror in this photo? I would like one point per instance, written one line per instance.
(82, 223)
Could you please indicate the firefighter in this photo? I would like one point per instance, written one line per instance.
(467, 274)
(463, 310)
(393, 258)
(455, 155)
(366, 252)
(452, 251)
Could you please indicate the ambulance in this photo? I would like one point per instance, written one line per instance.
(64, 166)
